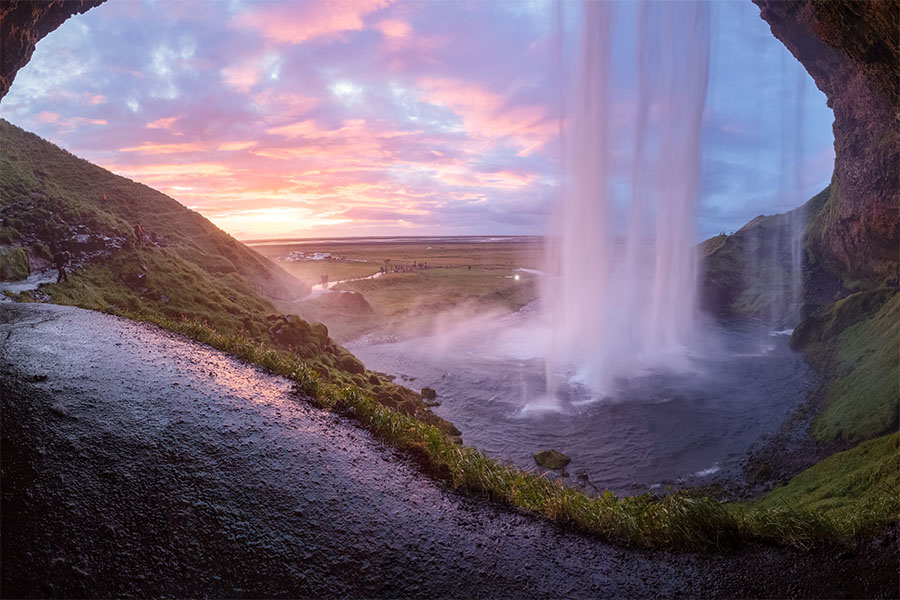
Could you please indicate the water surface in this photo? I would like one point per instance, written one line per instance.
(652, 430)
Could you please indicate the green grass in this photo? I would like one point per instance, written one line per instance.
(855, 342)
(856, 491)
(45, 191)
(311, 271)
(411, 303)
(502, 252)
(748, 273)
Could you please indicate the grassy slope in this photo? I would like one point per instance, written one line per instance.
(746, 273)
(48, 186)
(867, 475)
(855, 342)
(198, 275)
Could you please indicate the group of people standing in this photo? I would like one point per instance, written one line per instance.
(416, 266)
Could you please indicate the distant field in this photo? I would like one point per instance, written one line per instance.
(468, 272)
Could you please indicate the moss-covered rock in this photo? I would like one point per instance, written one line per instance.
(306, 339)
(552, 459)
(351, 364)
(9, 235)
(14, 264)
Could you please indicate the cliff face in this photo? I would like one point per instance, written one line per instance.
(851, 49)
(23, 23)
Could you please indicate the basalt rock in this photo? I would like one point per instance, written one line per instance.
(552, 459)
(23, 23)
(851, 50)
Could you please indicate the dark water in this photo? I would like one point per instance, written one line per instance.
(656, 429)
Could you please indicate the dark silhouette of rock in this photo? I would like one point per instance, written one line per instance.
(552, 459)
(22, 25)
(429, 393)
(851, 50)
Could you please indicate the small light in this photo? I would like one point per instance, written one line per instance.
(516, 277)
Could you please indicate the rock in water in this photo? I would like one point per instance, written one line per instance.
(552, 459)
(429, 393)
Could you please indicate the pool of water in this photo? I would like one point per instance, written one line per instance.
(654, 429)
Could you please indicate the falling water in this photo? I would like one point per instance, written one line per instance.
(774, 247)
(623, 243)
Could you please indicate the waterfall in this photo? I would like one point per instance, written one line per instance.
(622, 248)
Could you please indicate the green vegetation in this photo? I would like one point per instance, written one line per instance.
(47, 194)
(311, 271)
(462, 273)
(14, 264)
(848, 484)
(856, 343)
(748, 272)
(9, 235)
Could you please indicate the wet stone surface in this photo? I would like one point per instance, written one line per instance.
(135, 463)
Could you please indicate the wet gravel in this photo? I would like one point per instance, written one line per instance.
(138, 464)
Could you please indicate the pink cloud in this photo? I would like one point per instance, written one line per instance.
(235, 146)
(294, 23)
(151, 148)
(242, 76)
(392, 28)
(486, 115)
(167, 123)
(47, 116)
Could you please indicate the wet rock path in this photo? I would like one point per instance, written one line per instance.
(137, 463)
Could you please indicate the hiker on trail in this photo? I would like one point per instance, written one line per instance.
(139, 233)
(61, 259)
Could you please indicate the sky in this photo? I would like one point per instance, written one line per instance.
(283, 119)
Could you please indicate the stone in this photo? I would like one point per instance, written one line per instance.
(850, 50)
(552, 459)
(429, 393)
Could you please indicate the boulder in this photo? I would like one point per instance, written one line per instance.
(351, 364)
(429, 393)
(552, 459)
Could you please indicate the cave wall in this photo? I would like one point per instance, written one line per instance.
(22, 25)
(851, 50)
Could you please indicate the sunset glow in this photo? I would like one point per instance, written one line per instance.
(361, 117)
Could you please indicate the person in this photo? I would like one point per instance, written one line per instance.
(139, 233)
(61, 259)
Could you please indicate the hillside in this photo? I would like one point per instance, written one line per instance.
(188, 275)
